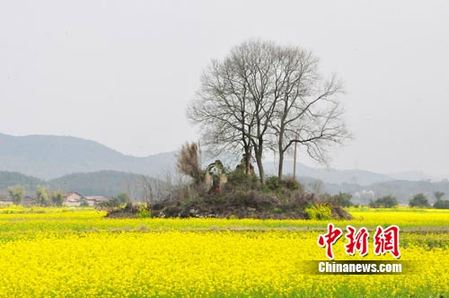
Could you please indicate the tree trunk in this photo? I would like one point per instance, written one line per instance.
(261, 171)
(281, 165)
(281, 156)
(258, 155)
(247, 160)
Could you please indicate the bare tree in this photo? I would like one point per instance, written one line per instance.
(221, 109)
(263, 96)
(237, 99)
(308, 112)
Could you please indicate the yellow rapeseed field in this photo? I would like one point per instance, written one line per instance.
(47, 252)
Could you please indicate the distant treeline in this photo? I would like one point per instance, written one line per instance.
(105, 183)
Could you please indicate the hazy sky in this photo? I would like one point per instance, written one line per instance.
(122, 72)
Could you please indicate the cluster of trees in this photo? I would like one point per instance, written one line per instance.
(263, 96)
(384, 202)
(420, 200)
(43, 197)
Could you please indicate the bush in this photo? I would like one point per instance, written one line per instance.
(441, 204)
(144, 210)
(240, 180)
(318, 211)
(282, 188)
(291, 183)
(272, 183)
(419, 200)
(384, 202)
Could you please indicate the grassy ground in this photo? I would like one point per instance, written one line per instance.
(69, 252)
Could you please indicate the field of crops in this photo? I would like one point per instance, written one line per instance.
(77, 252)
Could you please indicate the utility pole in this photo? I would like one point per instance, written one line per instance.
(294, 157)
(294, 160)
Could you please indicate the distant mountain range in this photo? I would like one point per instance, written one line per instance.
(49, 157)
(89, 167)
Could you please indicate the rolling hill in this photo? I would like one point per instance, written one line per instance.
(88, 167)
(8, 179)
(49, 157)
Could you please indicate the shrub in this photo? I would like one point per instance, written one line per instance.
(419, 200)
(240, 180)
(318, 211)
(291, 183)
(283, 188)
(272, 183)
(144, 210)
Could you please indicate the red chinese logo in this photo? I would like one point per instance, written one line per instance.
(329, 239)
(357, 241)
(385, 240)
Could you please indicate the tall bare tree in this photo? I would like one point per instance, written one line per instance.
(308, 112)
(221, 108)
(237, 99)
(261, 96)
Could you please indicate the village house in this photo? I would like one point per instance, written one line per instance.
(73, 199)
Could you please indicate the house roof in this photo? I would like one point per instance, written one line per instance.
(73, 193)
(97, 198)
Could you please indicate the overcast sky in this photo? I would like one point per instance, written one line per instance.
(122, 72)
